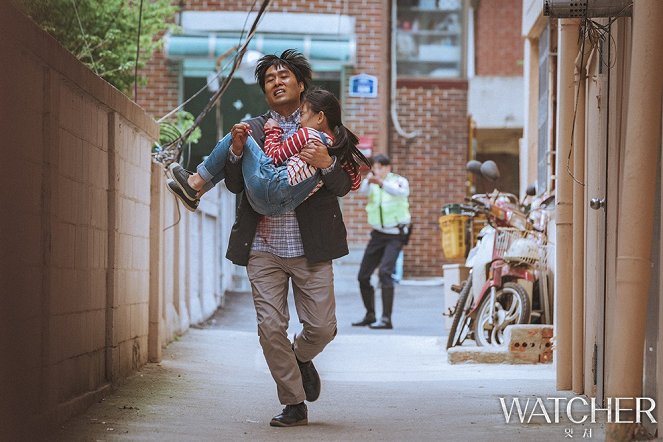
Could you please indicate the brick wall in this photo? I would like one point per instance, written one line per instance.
(499, 45)
(160, 95)
(434, 163)
(368, 116)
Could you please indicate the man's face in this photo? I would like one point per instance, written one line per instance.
(282, 91)
(380, 170)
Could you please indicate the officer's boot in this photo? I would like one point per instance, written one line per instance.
(368, 296)
(387, 304)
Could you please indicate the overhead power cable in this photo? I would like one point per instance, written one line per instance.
(171, 151)
(206, 86)
(85, 40)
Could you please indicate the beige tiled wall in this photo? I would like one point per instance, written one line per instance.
(191, 274)
(90, 272)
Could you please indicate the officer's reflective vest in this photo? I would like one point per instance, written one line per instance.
(384, 209)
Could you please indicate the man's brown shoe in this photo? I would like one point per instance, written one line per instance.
(291, 416)
(310, 380)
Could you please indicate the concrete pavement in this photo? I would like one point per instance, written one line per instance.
(213, 384)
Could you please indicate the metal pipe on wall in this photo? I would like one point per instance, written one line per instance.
(625, 350)
(567, 51)
(595, 176)
(578, 316)
(529, 142)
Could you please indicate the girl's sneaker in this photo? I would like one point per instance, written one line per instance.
(180, 175)
(189, 205)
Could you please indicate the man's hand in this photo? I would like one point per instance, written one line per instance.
(315, 154)
(374, 179)
(240, 132)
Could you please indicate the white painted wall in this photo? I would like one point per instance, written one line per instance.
(496, 102)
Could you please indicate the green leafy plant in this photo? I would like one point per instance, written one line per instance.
(169, 131)
(169, 148)
(103, 33)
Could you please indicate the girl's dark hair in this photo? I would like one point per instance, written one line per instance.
(345, 142)
(290, 59)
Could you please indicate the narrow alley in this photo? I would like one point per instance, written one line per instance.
(213, 384)
(108, 283)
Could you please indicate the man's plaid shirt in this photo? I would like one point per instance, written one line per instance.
(279, 235)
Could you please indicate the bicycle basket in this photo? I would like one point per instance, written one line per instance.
(523, 250)
(504, 237)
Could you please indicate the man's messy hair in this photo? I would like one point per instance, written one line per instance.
(290, 59)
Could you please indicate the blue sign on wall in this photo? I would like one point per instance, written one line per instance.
(363, 85)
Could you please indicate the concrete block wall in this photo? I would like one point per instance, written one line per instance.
(190, 273)
(82, 304)
(23, 276)
(129, 236)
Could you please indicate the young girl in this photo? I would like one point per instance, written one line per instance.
(277, 180)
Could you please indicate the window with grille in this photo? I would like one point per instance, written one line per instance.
(429, 38)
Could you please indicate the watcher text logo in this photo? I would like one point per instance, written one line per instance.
(578, 410)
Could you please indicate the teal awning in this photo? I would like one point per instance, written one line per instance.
(200, 51)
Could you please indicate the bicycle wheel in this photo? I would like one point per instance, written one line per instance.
(460, 326)
(512, 306)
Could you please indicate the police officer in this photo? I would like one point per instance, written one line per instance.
(389, 216)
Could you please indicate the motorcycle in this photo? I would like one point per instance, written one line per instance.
(508, 276)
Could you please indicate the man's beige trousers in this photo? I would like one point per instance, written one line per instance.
(313, 287)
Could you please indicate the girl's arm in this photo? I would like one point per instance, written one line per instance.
(281, 151)
(355, 177)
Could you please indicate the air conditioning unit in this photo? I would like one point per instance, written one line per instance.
(587, 8)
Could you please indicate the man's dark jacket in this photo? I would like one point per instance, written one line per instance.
(320, 219)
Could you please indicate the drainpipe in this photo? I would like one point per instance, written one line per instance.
(595, 128)
(567, 51)
(578, 315)
(625, 345)
(528, 147)
(392, 96)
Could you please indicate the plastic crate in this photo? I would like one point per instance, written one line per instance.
(452, 228)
